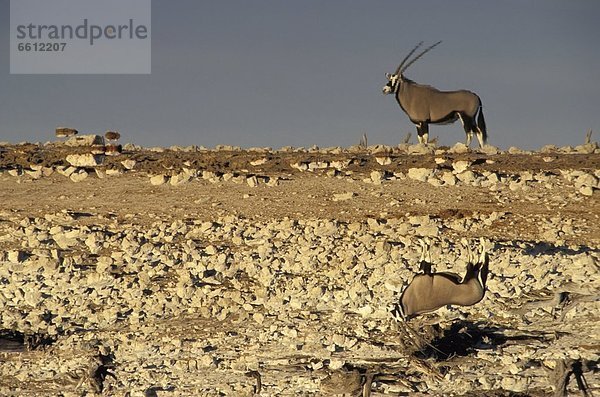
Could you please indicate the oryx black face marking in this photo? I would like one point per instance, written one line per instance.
(426, 105)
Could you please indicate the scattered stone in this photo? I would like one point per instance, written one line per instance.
(34, 174)
(461, 166)
(252, 181)
(516, 150)
(85, 140)
(421, 149)
(449, 179)
(179, 179)
(420, 174)
(340, 164)
(259, 162)
(273, 181)
(301, 166)
(157, 180)
(85, 160)
(459, 148)
(343, 196)
(489, 150)
(78, 176)
(586, 190)
(467, 177)
(377, 177)
(16, 256)
(383, 160)
(128, 164)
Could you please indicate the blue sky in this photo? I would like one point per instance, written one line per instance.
(276, 73)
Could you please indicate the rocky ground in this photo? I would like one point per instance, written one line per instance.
(189, 271)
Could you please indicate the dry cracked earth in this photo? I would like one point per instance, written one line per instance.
(229, 272)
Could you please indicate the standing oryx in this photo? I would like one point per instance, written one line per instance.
(429, 291)
(426, 105)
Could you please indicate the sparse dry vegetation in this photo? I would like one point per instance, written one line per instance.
(188, 271)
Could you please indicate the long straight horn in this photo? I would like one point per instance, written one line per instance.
(483, 255)
(408, 56)
(423, 249)
(425, 261)
(470, 256)
(484, 262)
(425, 51)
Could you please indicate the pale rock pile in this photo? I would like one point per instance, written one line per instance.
(189, 175)
(193, 306)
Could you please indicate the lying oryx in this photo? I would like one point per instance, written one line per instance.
(426, 105)
(430, 291)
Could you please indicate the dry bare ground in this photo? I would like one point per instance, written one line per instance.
(188, 272)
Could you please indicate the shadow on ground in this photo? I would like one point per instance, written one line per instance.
(464, 338)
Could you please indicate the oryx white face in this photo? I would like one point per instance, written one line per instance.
(392, 82)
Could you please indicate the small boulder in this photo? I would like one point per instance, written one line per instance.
(128, 164)
(158, 180)
(459, 148)
(420, 174)
(85, 140)
(85, 160)
(460, 166)
(343, 196)
(78, 176)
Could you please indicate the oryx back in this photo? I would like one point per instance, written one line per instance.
(423, 103)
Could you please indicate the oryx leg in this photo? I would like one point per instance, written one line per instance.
(468, 125)
(479, 135)
(423, 132)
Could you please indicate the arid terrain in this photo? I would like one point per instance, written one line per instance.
(230, 272)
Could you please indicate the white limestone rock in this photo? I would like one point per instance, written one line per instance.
(459, 148)
(420, 174)
(383, 160)
(78, 176)
(489, 150)
(343, 196)
(129, 164)
(340, 164)
(85, 140)
(377, 177)
(467, 177)
(461, 166)
(421, 149)
(449, 179)
(15, 256)
(586, 190)
(85, 160)
(179, 179)
(258, 162)
(252, 181)
(157, 180)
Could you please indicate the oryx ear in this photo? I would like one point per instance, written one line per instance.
(388, 76)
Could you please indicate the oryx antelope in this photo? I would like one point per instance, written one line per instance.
(430, 291)
(426, 105)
